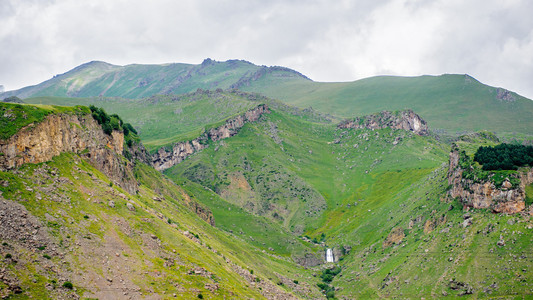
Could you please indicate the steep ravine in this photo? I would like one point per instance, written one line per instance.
(164, 159)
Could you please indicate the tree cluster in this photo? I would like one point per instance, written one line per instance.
(113, 122)
(504, 157)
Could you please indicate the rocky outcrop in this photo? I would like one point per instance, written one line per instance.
(404, 120)
(164, 159)
(60, 133)
(485, 194)
(308, 260)
(504, 95)
(395, 237)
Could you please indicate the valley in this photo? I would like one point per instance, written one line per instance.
(232, 187)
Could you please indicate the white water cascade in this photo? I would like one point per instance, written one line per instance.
(329, 255)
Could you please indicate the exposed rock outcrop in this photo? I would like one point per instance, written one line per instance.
(485, 194)
(59, 133)
(404, 120)
(504, 95)
(395, 237)
(164, 159)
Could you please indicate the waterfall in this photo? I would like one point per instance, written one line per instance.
(329, 255)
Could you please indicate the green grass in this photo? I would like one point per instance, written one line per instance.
(451, 104)
(529, 195)
(305, 182)
(164, 120)
(13, 117)
(96, 79)
(369, 187)
(292, 174)
(128, 233)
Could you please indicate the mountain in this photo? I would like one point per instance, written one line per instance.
(238, 195)
(452, 104)
(98, 78)
(252, 209)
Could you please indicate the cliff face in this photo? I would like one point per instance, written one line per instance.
(505, 199)
(164, 159)
(60, 133)
(405, 120)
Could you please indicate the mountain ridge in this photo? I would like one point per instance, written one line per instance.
(452, 103)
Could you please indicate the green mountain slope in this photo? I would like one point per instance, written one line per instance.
(163, 120)
(282, 190)
(377, 197)
(450, 103)
(68, 232)
(137, 81)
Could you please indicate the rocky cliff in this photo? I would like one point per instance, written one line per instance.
(507, 198)
(59, 133)
(405, 120)
(164, 159)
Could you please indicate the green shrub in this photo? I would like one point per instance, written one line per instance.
(504, 156)
(68, 285)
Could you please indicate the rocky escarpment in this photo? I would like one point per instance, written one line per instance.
(405, 120)
(164, 159)
(59, 133)
(507, 198)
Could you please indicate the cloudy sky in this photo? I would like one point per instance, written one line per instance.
(492, 40)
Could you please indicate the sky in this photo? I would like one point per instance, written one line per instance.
(491, 40)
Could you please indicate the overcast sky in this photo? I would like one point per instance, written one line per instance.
(492, 40)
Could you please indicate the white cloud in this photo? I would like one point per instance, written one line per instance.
(328, 41)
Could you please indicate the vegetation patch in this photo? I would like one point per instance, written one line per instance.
(15, 116)
(475, 172)
(114, 122)
(327, 276)
(504, 157)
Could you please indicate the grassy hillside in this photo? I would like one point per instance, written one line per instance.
(376, 197)
(283, 190)
(450, 103)
(95, 240)
(164, 120)
(138, 81)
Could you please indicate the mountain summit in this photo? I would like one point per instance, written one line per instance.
(97, 78)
